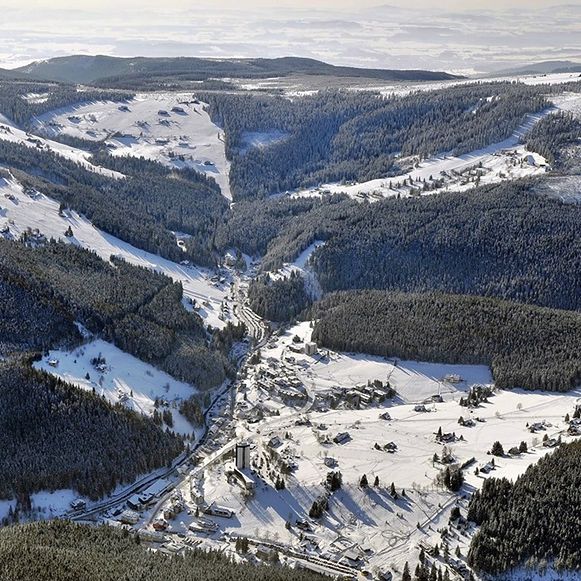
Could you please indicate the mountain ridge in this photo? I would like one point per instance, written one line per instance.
(100, 68)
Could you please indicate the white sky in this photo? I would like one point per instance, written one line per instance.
(252, 4)
(455, 35)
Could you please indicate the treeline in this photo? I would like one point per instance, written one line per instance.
(137, 309)
(502, 240)
(279, 299)
(533, 522)
(142, 209)
(551, 134)
(342, 135)
(56, 436)
(525, 346)
(20, 101)
(64, 551)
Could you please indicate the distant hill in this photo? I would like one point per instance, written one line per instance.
(112, 70)
(542, 68)
(11, 75)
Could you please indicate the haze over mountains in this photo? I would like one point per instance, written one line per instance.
(290, 290)
(91, 69)
(473, 37)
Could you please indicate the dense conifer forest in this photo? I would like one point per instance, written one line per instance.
(69, 552)
(281, 299)
(525, 346)
(138, 309)
(532, 522)
(20, 101)
(551, 134)
(501, 241)
(31, 322)
(49, 432)
(335, 135)
(279, 229)
(142, 208)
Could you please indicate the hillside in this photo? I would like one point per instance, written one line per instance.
(137, 309)
(526, 347)
(343, 136)
(68, 552)
(55, 436)
(541, 511)
(542, 68)
(501, 241)
(116, 71)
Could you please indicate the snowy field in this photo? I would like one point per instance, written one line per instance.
(9, 132)
(294, 86)
(570, 102)
(172, 128)
(20, 212)
(414, 381)
(122, 378)
(45, 504)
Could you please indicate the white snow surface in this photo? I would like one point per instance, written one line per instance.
(301, 266)
(372, 519)
(46, 504)
(175, 138)
(505, 160)
(9, 132)
(124, 379)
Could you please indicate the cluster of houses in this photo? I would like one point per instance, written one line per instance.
(361, 396)
(277, 379)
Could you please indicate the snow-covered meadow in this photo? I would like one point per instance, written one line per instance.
(11, 133)
(173, 128)
(120, 378)
(370, 519)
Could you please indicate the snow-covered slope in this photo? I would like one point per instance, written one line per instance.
(172, 128)
(502, 161)
(301, 266)
(505, 160)
(9, 132)
(121, 379)
(20, 212)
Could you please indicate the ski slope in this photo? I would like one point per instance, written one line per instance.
(172, 128)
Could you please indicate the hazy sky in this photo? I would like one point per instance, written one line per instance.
(308, 4)
(455, 35)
